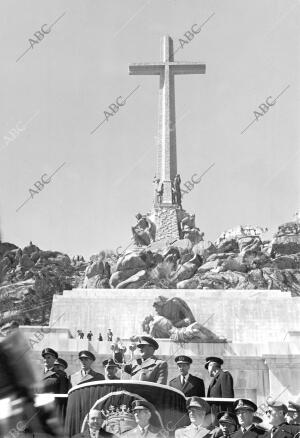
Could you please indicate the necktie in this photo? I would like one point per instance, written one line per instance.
(183, 380)
(273, 430)
(143, 432)
(244, 430)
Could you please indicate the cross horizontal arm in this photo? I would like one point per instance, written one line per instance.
(146, 68)
(187, 68)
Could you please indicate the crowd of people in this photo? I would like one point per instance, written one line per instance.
(283, 419)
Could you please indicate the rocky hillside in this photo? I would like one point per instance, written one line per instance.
(239, 259)
(29, 278)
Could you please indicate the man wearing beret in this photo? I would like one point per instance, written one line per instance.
(221, 384)
(293, 413)
(148, 368)
(143, 412)
(111, 369)
(197, 410)
(86, 374)
(55, 381)
(187, 383)
(276, 416)
(245, 410)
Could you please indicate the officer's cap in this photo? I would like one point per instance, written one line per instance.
(147, 340)
(183, 359)
(197, 402)
(141, 404)
(110, 363)
(60, 361)
(227, 417)
(293, 407)
(277, 404)
(243, 403)
(86, 353)
(214, 359)
(49, 351)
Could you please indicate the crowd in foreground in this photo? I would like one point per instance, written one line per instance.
(242, 421)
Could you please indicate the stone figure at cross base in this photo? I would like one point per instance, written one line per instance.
(188, 229)
(144, 231)
(173, 319)
(97, 273)
(159, 189)
(176, 191)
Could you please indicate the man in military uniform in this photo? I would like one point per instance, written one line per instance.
(227, 425)
(279, 427)
(149, 368)
(187, 383)
(293, 413)
(245, 410)
(143, 411)
(221, 384)
(111, 369)
(86, 374)
(60, 364)
(54, 380)
(197, 410)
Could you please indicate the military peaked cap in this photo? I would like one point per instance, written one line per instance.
(49, 351)
(147, 340)
(86, 353)
(197, 402)
(60, 361)
(243, 403)
(227, 417)
(213, 359)
(183, 359)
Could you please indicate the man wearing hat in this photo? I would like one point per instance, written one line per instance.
(111, 369)
(54, 380)
(187, 383)
(221, 384)
(86, 373)
(293, 413)
(143, 412)
(148, 368)
(227, 425)
(197, 410)
(276, 416)
(245, 410)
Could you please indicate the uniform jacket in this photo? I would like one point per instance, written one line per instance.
(253, 432)
(284, 430)
(56, 382)
(191, 432)
(92, 376)
(221, 385)
(193, 387)
(149, 370)
(152, 432)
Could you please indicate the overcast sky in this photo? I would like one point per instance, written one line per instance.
(56, 94)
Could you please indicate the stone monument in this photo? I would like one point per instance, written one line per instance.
(168, 212)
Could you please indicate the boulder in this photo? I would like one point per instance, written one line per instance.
(130, 261)
(228, 246)
(233, 264)
(119, 276)
(291, 261)
(208, 266)
(136, 281)
(288, 244)
(204, 249)
(5, 247)
(188, 269)
(191, 283)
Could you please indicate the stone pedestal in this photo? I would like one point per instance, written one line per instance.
(167, 219)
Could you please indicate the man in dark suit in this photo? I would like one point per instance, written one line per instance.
(149, 368)
(187, 383)
(245, 410)
(54, 380)
(86, 374)
(94, 429)
(279, 427)
(221, 384)
(227, 425)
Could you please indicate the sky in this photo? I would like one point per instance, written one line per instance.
(55, 87)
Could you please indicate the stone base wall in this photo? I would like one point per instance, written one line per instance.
(167, 220)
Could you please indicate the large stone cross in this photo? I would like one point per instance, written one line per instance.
(166, 69)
